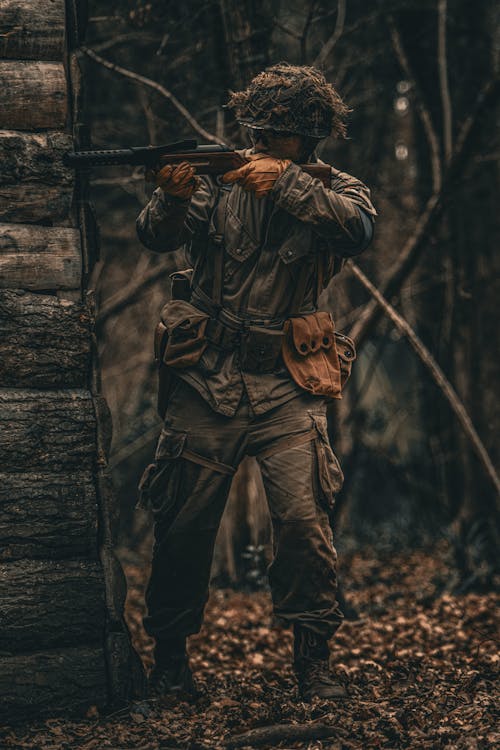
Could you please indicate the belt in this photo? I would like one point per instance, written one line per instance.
(225, 329)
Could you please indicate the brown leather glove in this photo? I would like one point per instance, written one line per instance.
(178, 181)
(259, 174)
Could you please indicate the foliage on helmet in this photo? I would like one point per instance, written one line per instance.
(291, 98)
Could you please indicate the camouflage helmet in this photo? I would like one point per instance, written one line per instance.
(291, 98)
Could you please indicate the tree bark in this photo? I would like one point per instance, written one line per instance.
(49, 604)
(44, 341)
(34, 183)
(32, 31)
(52, 431)
(61, 681)
(34, 95)
(47, 516)
(33, 257)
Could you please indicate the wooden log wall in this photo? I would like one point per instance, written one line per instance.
(63, 644)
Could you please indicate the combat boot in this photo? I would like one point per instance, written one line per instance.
(171, 674)
(311, 667)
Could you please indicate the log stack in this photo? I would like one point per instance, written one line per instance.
(63, 644)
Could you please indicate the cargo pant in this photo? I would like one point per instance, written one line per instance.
(187, 487)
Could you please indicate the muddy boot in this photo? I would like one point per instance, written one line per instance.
(171, 674)
(311, 667)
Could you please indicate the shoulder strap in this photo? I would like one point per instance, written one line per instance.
(218, 244)
(214, 245)
(300, 289)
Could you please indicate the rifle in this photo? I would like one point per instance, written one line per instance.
(212, 159)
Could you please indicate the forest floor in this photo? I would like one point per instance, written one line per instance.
(420, 664)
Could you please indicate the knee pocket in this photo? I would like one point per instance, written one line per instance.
(330, 477)
(158, 487)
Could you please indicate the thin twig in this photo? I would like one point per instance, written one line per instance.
(157, 87)
(305, 32)
(423, 112)
(287, 30)
(123, 453)
(416, 242)
(443, 82)
(337, 33)
(132, 292)
(122, 38)
(437, 374)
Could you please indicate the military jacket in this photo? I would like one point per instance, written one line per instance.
(268, 243)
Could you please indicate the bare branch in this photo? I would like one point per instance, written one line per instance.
(410, 253)
(305, 31)
(122, 38)
(287, 30)
(443, 81)
(133, 291)
(278, 733)
(153, 85)
(337, 33)
(437, 374)
(126, 451)
(422, 110)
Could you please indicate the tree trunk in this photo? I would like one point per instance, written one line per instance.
(34, 95)
(32, 31)
(50, 604)
(44, 341)
(47, 431)
(34, 183)
(47, 516)
(60, 681)
(33, 257)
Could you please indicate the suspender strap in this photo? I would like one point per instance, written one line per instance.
(320, 275)
(300, 288)
(218, 244)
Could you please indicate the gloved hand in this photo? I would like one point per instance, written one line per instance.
(178, 181)
(259, 174)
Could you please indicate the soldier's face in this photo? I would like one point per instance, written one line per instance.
(280, 145)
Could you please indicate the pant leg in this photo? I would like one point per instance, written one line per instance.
(300, 482)
(187, 498)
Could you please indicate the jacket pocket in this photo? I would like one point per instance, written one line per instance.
(330, 476)
(238, 242)
(346, 351)
(159, 484)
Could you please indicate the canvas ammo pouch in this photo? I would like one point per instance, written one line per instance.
(185, 333)
(311, 354)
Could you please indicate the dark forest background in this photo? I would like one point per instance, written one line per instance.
(421, 78)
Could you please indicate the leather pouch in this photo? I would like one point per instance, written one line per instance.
(310, 354)
(260, 349)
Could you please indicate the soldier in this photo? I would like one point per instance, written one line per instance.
(254, 365)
